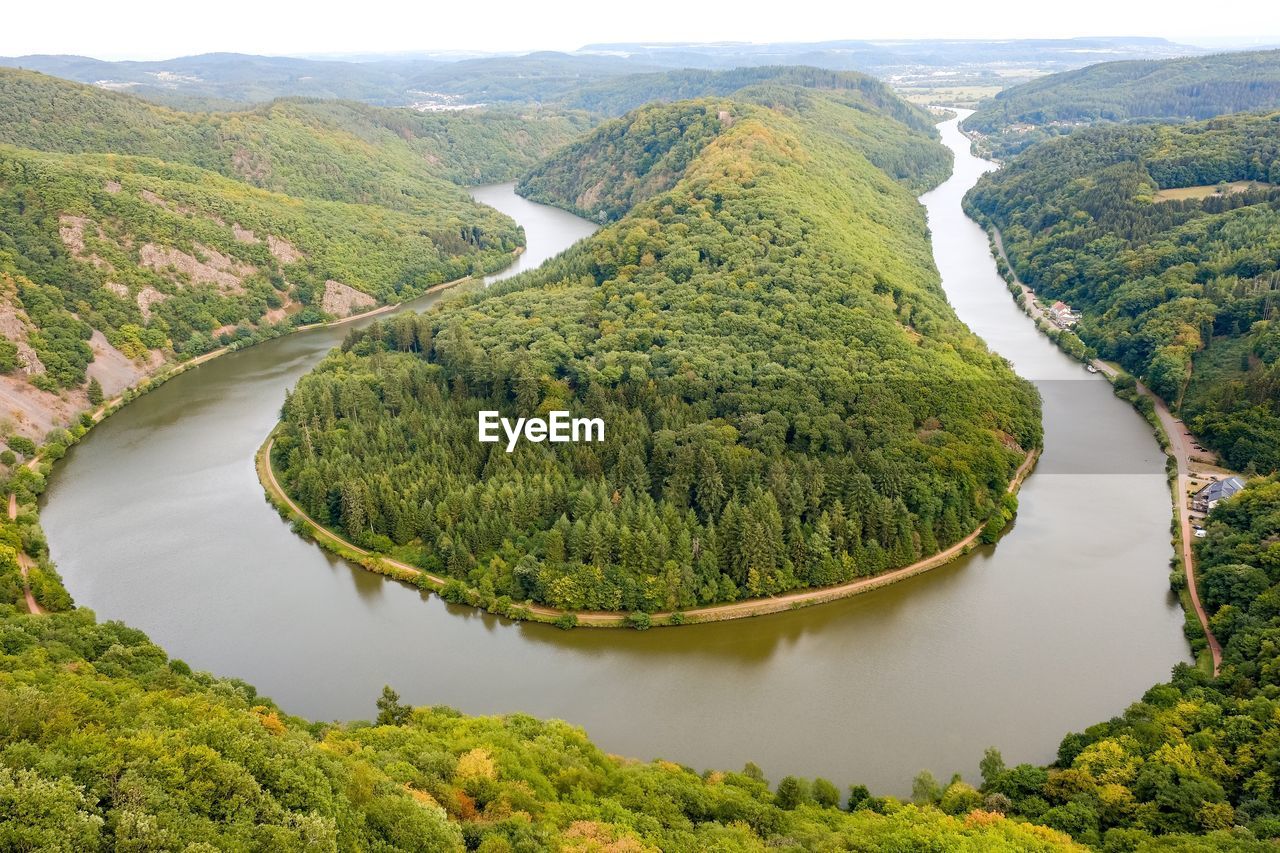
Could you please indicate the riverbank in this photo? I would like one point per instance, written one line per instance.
(1174, 437)
(31, 476)
(529, 611)
(157, 520)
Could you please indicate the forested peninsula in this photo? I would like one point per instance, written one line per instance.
(790, 400)
(1167, 237)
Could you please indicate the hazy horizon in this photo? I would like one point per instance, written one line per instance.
(1225, 43)
(148, 30)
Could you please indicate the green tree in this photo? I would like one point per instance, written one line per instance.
(23, 445)
(925, 790)
(390, 710)
(792, 793)
(825, 793)
(991, 767)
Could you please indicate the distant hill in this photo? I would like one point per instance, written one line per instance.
(370, 155)
(619, 95)
(854, 54)
(233, 77)
(1196, 87)
(220, 80)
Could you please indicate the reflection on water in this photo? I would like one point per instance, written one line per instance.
(157, 519)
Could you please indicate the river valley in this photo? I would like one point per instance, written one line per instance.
(158, 519)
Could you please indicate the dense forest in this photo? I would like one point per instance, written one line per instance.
(1183, 292)
(553, 78)
(1194, 87)
(789, 399)
(332, 150)
(630, 159)
(617, 95)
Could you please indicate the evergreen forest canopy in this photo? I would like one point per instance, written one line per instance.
(1182, 292)
(1186, 88)
(789, 399)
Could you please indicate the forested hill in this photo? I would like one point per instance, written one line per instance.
(789, 399)
(617, 95)
(336, 150)
(162, 257)
(1181, 287)
(134, 235)
(1197, 87)
(630, 159)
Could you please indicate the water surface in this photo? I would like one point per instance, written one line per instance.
(157, 519)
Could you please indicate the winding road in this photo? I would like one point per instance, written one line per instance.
(1180, 440)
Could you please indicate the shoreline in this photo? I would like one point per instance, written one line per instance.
(43, 466)
(383, 564)
(1170, 433)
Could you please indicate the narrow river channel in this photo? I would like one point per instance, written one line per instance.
(157, 519)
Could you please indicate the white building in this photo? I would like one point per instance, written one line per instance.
(1062, 315)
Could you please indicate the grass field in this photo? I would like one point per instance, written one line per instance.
(953, 96)
(1182, 193)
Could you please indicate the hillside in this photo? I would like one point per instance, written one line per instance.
(790, 400)
(233, 78)
(224, 80)
(136, 235)
(618, 95)
(1181, 291)
(630, 159)
(334, 150)
(139, 249)
(1187, 88)
(110, 745)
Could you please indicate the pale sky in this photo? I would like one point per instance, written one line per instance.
(151, 29)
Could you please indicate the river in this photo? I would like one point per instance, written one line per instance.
(157, 519)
